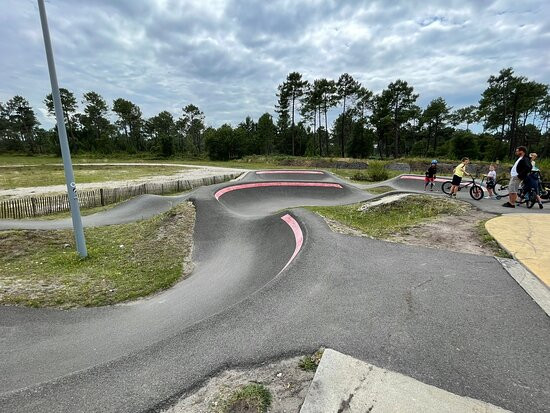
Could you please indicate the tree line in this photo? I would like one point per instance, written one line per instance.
(512, 110)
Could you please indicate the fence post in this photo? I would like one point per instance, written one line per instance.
(33, 202)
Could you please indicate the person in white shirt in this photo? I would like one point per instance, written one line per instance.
(519, 172)
(491, 181)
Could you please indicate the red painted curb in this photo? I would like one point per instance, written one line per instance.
(298, 236)
(227, 189)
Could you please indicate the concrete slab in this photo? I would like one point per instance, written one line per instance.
(344, 384)
(527, 239)
(529, 282)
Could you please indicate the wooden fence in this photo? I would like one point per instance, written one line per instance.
(35, 206)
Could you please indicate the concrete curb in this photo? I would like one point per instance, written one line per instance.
(528, 281)
(344, 384)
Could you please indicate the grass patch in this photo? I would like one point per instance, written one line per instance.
(310, 363)
(41, 268)
(380, 189)
(252, 398)
(363, 175)
(46, 175)
(489, 242)
(384, 220)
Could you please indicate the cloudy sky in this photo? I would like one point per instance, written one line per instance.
(228, 56)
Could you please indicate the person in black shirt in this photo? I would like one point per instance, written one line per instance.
(430, 176)
(519, 172)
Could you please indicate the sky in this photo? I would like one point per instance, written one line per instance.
(228, 56)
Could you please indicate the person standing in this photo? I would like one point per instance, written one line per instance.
(491, 181)
(533, 180)
(430, 176)
(519, 172)
(458, 174)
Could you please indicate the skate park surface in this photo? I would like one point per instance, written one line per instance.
(271, 280)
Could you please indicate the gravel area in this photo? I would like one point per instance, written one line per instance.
(287, 383)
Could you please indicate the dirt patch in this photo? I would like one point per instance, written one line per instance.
(286, 381)
(454, 233)
(449, 232)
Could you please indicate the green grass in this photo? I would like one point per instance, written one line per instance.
(380, 189)
(42, 269)
(362, 175)
(45, 175)
(384, 220)
(252, 398)
(310, 363)
(488, 240)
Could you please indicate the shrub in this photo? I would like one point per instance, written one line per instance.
(377, 171)
(360, 176)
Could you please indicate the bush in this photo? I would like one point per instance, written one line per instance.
(377, 171)
(360, 176)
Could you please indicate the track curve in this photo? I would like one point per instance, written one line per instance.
(269, 283)
(415, 183)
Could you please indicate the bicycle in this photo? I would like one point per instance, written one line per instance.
(476, 191)
(529, 198)
(501, 188)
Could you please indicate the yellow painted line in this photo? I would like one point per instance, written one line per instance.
(527, 238)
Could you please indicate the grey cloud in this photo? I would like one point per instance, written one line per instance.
(228, 57)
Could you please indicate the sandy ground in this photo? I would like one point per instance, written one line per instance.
(453, 233)
(447, 232)
(287, 383)
(194, 172)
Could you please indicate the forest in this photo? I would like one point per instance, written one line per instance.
(511, 111)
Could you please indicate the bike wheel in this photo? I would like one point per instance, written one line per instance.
(446, 187)
(530, 199)
(476, 192)
(501, 188)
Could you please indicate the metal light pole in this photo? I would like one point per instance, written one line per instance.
(65, 153)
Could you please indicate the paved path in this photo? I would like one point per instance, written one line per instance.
(415, 183)
(527, 238)
(271, 282)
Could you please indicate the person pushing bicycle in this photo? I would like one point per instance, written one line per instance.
(458, 174)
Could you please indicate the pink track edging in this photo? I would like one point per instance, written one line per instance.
(421, 178)
(227, 189)
(289, 172)
(298, 236)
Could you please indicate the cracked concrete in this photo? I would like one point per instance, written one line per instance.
(345, 385)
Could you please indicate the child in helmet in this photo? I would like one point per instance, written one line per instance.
(430, 175)
(491, 181)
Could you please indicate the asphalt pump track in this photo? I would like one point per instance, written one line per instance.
(272, 280)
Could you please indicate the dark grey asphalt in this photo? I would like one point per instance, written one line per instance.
(488, 205)
(135, 209)
(456, 321)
